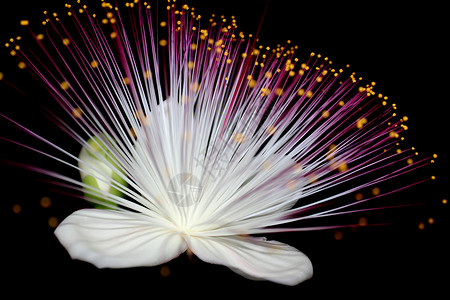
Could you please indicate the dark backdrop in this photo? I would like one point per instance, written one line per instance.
(403, 48)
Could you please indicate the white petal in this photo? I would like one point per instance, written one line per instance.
(254, 258)
(111, 239)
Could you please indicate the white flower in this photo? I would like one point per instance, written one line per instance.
(177, 212)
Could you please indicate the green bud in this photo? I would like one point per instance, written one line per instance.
(96, 159)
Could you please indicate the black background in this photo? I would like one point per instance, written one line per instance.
(403, 48)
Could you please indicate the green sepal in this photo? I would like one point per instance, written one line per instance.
(94, 193)
(95, 148)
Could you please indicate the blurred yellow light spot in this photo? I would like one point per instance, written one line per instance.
(444, 201)
(342, 167)
(393, 134)
(271, 129)
(24, 22)
(430, 220)
(163, 24)
(94, 64)
(163, 43)
(113, 35)
(279, 91)
(52, 222)
(409, 161)
(195, 86)
(40, 36)
(164, 271)
(239, 138)
(325, 114)
(338, 235)
(1, 75)
(251, 83)
(421, 226)
(298, 168)
(77, 112)
(292, 185)
(22, 65)
(16, 208)
(312, 178)
(148, 74)
(265, 91)
(45, 202)
(64, 85)
(184, 99)
(360, 123)
(331, 153)
(359, 196)
(362, 221)
(126, 80)
(376, 191)
(66, 42)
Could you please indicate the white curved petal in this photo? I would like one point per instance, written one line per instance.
(111, 239)
(254, 258)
